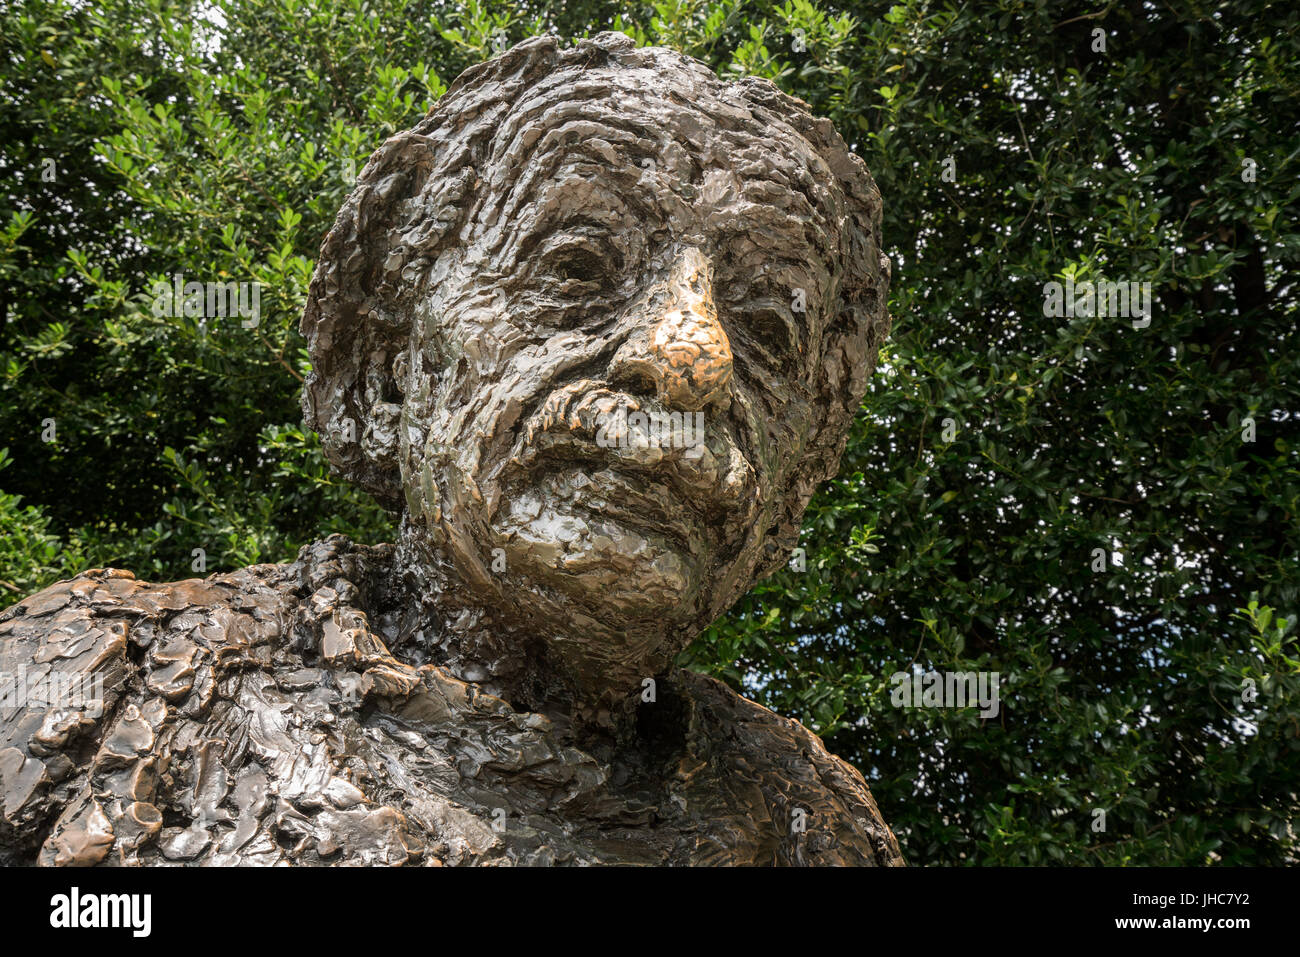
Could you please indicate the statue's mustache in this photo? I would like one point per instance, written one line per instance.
(692, 449)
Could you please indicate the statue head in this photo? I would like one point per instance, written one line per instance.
(597, 327)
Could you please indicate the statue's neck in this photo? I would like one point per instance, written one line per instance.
(425, 614)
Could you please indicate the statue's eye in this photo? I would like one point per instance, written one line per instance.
(769, 329)
(761, 324)
(583, 269)
(580, 266)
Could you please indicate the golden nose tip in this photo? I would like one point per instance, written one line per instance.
(693, 356)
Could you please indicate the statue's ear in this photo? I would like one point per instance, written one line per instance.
(858, 318)
(408, 201)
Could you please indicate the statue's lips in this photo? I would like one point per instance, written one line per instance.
(586, 424)
(614, 499)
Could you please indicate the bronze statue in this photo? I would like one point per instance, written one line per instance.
(596, 328)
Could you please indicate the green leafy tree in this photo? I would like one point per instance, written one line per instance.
(1100, 511)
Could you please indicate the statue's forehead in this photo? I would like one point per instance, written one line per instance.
(616, 149)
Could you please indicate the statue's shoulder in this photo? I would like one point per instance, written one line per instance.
(135, 709)
(71, 654)
(817, 806)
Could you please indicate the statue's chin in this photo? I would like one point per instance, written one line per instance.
(605, 542)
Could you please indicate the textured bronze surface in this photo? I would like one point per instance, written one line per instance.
(523, 308)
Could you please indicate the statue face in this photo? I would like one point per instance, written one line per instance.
(604, 320)
(607, 379)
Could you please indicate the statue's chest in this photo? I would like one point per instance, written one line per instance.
(284, 767)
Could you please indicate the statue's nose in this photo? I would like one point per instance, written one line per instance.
(679, 349)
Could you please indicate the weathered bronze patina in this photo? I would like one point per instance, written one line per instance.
(596, 328)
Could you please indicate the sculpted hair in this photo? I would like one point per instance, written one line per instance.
(422, 188)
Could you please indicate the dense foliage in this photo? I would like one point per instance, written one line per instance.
(1104, 513)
